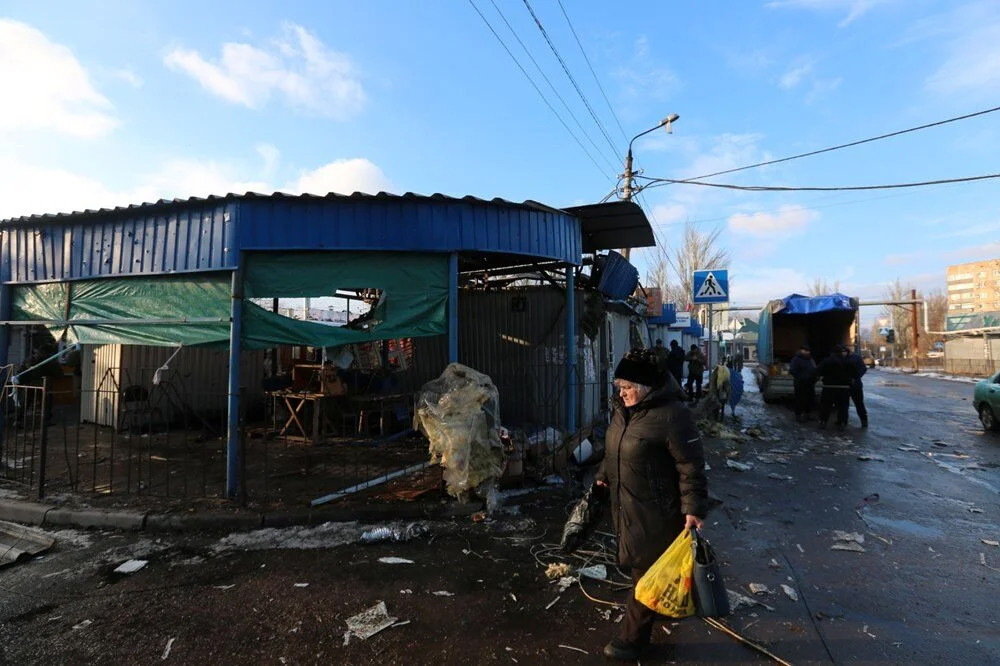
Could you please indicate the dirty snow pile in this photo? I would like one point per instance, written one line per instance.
(327, 535)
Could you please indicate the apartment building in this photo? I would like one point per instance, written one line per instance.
(974, 287)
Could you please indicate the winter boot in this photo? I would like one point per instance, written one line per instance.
(621, 651)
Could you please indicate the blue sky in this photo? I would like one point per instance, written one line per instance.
(117, 102)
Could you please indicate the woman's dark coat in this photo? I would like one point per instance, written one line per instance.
(655, 470)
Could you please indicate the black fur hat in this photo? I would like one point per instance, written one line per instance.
(639, 367)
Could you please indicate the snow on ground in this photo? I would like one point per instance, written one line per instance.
(749, 381)
(933, 375)
(327, 535)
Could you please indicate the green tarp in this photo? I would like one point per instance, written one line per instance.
(414, 301)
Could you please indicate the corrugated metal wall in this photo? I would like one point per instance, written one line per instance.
(517, 338)
(967, 355)
(197, 378)
(140, 241)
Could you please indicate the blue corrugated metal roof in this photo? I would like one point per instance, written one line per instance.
(198, 234)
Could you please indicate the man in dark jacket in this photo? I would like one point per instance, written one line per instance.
(838, 377)
(696, 368)
(675, 361)
(661, 356)
(654, 470)
(803, 372)
(857, 391)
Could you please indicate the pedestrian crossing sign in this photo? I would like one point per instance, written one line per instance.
(711, 286)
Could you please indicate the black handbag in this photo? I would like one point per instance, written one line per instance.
(710, 596)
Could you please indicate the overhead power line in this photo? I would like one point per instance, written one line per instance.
(538, 90)
(592, 72)
(777, 188)
(572, 80)
(572, 115)
(847, 145)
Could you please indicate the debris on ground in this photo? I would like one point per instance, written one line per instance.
(559, 570)
(597, 572)
(938, 442)
(18, 542)
(718, 430)
(565, 583)
(130, 566)
(738, 466)
(975, 510)
(366, 624)
(790, 592)
(738, 601)
(755, 431)
(849, 541)
(395, 560)
(82, 625)
(868, 457)
(443, 593)
(758, 588)
(583, 519)
(167, 649)
(780, 477)
(301, 585)
(327, 535)
(553, 603)
(988, 542)
(459, 413)
(824, 469)
(774, 564)
(770, 459)
(554, 480)
(570, 647)
(908, 449)
(397, 533)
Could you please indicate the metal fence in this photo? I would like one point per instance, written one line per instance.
(972, 367)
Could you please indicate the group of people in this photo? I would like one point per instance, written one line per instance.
(841, 372)
(725, 382)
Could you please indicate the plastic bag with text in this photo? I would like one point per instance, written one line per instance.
(666, 586)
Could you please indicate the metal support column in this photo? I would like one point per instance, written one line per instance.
(570, 349)
(710, 339)
(453, 308)
(4, 316)
(916, 332)
(233, 479)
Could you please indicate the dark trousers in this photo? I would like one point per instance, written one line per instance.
(834, 399)
(696, 380)
(638, 623)
(678, 374)
(858, 397)
(805, 393)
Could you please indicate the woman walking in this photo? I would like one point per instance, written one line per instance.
(654, 469)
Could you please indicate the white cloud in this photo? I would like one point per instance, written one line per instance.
(129, 77)
(666, 214)
(972, 64)
(297, 67)
(643, 78)
(46, 88)
(342, 177)
(756, 286)
(795, 75)
(27, 189)
(854, 8)
(787, 221)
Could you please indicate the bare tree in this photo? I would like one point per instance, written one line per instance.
(696, 251)
(900, 318)
(820, 287)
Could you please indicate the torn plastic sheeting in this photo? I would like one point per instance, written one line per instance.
(459, 412)
(397, 534)
(19, 543)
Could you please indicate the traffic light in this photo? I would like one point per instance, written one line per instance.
(890, 337)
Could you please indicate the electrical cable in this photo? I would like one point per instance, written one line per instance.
(572, 80)
(556, 92)
(537, 89)
(849, 188)
(593, 73)
(848, 145)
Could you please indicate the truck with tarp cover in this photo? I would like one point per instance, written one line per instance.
(820, 322)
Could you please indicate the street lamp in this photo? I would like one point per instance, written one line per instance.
(665, 123)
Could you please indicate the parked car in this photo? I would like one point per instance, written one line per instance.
(986, 401)
(866, 356)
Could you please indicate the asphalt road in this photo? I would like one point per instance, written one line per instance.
(923, 501)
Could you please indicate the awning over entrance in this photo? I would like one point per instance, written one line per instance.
(611, 225)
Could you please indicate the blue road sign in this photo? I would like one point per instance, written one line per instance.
(711, 286)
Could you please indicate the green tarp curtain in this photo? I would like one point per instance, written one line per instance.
(414, 303)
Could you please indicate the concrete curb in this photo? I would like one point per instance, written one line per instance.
(48, 515)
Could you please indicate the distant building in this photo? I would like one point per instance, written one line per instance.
(974, 287)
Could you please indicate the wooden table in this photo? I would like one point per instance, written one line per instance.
(295, 401)
(366, 405)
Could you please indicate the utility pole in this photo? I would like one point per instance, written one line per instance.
(627, 189)
(916, 332)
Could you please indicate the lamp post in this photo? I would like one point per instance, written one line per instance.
(627, 189)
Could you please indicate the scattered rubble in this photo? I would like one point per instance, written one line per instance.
(327, 535)
(130, 566)
(849, 541)
(780, 477)
(597, 572)
(559, 570)
(738, 601)
(395, 560)
(443, 593)
(82, 625)
(738, 466)
(790, 592)
(758, 588)
(397, 533)
(565, 583)
(167, 649)
(868, 457)
(991, 542)
(366, 624)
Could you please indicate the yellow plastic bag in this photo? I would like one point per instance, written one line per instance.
(666, 586)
